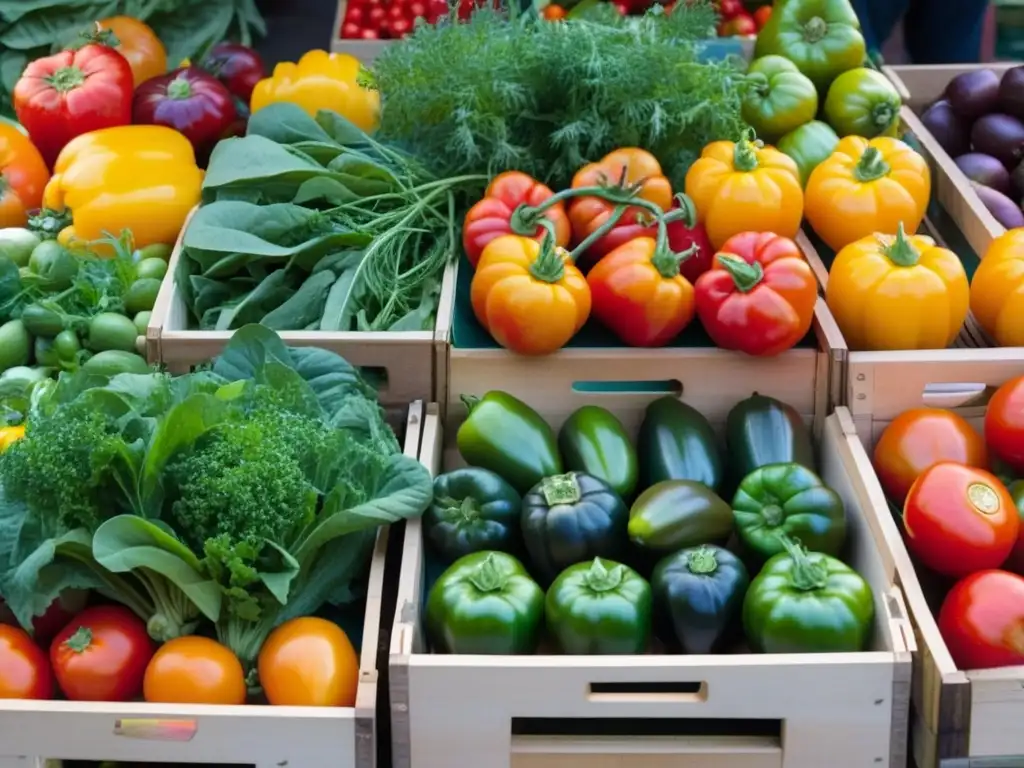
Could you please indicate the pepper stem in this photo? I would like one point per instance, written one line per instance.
(66, 79)
(815, 29)
(488, 577)
(744, 158)
(470, 401)
(560, 489)
(745, 276)
(178, 89)
(871, 166)
(702, 561)
(80, 641)
(772, 515)
(882, 115)
(807, 575)
(602, 579)
(549, 266)
(668, 262)
(758, 83)
(901, 251)
(454, 510)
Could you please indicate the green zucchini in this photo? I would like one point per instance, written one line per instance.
(762, 430)
(677, 443)
(593, 441)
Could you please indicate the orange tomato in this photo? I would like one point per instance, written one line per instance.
(23, 176)
(139, 44)
(530, 297)
(553, 12)
(194, 670)
(919, 438)
(309, 662)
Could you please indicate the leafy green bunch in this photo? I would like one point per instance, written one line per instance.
(546, 98)
(243, 495)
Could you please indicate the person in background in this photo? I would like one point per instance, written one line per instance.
(934, 31)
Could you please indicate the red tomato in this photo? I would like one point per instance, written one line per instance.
(350, 30)
(396, 12)
(24, 670)
(959, 519)
(417, 9)
(761, 16)
(102, 655)
(729, 8)
(309, 662)
(982, 620)
(1004, 423)
(194, 670)
(354, 15)
(742, 24)
(369, 34)
(376, 15)
(400, 27)
(918, 438)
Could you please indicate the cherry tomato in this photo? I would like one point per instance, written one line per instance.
(24, 670)
(553, 12)
(622, 8)
(918, 438)
(194, 670)
(354, 15)
(959, 519)
(1004, 423)
(400, 27)
(417, 9)
(369, 34)
(739, 25)
(982, 620)
(376, 15)
(101, 655)
(761, 16)
(309, 662)
(396, 12)
(350, 31)
(727, 9)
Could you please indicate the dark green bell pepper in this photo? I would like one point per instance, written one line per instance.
(505, 435)
(777, 98)
(601, 607)
(593, 440)
(473, 510)
(863, 102)
(822, 37)
(678, 513)
(788, 500)
(805, 602)
(698, 598)
(485, 603)
(809, 146)
(569, 519)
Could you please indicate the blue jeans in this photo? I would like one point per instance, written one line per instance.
(934, 31)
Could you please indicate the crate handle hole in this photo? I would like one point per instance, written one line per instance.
(955, 394)
(375, 376)
(640, 693)
(672, 387)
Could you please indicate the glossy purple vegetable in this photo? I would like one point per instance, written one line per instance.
(1001, 136)
(1017, 181)
(974, 93)
(949, 129)
(985, 170)
(1011, 92)
(1005, 211)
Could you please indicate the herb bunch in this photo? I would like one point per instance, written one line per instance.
(517, 91)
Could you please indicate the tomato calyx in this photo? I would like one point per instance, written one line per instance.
(601, 579)
(549, 266)
(95, 35)
(815, 29)
(807, 576)
(48, 222)
(66, 79)
(80, 641)
(665, 260)
(901, 251)
(488, 577)
(746, 277)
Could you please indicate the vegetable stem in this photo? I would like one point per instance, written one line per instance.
(871, 166)
(549, 266)
(901, 251)
(815, 29)
(487, 577)
(745, 276)
(807, 575)
(744, 158)
(601, 579)
(560, 489)
(702, 561)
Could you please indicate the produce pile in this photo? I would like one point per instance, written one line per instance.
(234, 502)
(979, 121)
(959, 499)
(590, 543)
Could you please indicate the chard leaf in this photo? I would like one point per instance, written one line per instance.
(329, 578)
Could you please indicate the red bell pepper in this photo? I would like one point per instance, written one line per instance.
(492, 216)
(237, 66)
(759, 295)
(70, 93)
(190, 101)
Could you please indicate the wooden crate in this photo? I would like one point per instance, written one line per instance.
(919, 87)
(737, 711)
(35, 732)
(960, 718)
(406, 360)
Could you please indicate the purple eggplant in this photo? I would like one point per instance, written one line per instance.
(1005, 211)
(951, 131)
(985, 170)
(1001, 136)
(1011, 92)
(974, 93)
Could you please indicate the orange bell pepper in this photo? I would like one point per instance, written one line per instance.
(23, 176)
(997, 290)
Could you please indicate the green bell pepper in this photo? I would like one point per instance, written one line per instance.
(788, 500)
(822, 37)
(809, 146)
(777, 98)
(505, 435)
(593, 440)
(485, 603)
(473, 509)
(862, 102)
(698, 596)
(805, 602)
(570, 519)
(601, 607)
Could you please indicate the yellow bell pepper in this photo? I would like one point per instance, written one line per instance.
(867, 187)
(10, 435)
(321, 80)
(997, 290)
(897, 292)
(142, 178)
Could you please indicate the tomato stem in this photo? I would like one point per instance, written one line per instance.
(744, 158)
(601, 579)
(549, 266)
(901, 251)
(95, 35)
(66, 79)
(598, 233)
(871, 166)
(807, 575)
(80, 641)
(560, 489)
(667, 261)
(815, 29)
(487, 577)
(745, 276)
(178, 89)
(702, 561)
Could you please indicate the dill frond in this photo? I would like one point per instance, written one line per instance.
(502, 92)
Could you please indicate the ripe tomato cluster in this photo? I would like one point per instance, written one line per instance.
(395, 19)
(962, 499)
(736, 20)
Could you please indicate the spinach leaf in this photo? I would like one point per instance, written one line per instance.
(305, 306)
